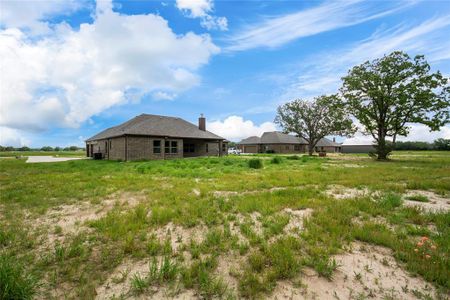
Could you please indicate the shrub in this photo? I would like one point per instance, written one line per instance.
(255, 163)
(293, 157)
(276, 160)
(270, 151)
(14, 282)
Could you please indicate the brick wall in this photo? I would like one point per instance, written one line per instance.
(116, 150)
(142, 148)
(284, 148)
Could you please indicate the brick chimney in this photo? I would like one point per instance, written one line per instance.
(202, 123)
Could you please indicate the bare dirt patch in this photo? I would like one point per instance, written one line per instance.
(179, 235)
(366, 272)
(65, 220)
(296, 219)
(342, 192)
(435, 202)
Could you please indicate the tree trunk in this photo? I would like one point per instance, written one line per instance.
(310, 149)
(382, 148)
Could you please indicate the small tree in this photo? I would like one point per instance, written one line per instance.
(313, 120)
(46, 148)
(386, 94)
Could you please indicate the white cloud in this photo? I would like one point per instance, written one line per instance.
(12, 137)
(159, 95)
(235, 128)
(321, 73)
(65, 78)
(202, 9)
(276, 31)
(31, 15)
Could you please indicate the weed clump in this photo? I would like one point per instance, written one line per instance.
(255, 163)
(276, 160)
(14, 282)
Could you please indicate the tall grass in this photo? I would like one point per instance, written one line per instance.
(15, 282)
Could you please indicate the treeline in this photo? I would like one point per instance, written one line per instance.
(45, 148)
(439, 144)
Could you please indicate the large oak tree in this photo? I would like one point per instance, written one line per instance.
(387, 94)
(313, 120)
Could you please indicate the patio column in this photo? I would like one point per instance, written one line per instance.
(220, 147)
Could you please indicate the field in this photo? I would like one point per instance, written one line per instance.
(340, 227)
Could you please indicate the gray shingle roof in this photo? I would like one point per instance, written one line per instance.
(276, 137)
(327, 143)
(250, 141)
(154, 125)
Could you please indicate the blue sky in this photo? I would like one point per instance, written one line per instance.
(72, 68)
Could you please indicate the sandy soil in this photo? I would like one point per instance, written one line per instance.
(296, 219)
(436, 203)
(365, 272)
(342, 192)
(65, 220)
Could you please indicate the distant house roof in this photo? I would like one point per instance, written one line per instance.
(276, 137)
(273, 137)
(154, 125)
(327, 143)
(250, 141)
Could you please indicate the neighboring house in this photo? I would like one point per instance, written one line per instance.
(279, 142)
(156, 137)
(357, 148)
(326, 145)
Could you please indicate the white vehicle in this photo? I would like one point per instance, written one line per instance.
(234, 151)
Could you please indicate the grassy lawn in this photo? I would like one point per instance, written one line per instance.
(222, 227)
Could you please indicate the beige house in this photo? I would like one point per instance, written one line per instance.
(278, 142)
(155, 137)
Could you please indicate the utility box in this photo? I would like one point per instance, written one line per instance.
(98, 155)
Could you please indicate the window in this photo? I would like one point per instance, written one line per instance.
(106, 146)
(171, 147)
(174, 147)
(188, 148)
(157, 146)
(224, 147)
(206, 147)
(110, 144)
(287, 147)
(297, 147)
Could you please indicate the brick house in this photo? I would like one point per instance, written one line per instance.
(156, 137)
(279, 142)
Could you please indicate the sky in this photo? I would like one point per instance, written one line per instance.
(71, 68)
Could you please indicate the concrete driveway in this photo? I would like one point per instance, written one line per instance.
(47, 159)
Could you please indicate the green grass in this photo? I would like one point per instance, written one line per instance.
(418, 198)
(15, 282)
(250, 222)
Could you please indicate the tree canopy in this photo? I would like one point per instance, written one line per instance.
(387, 94)
(313, 120)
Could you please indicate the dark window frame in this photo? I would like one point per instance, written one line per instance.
(157, 148)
